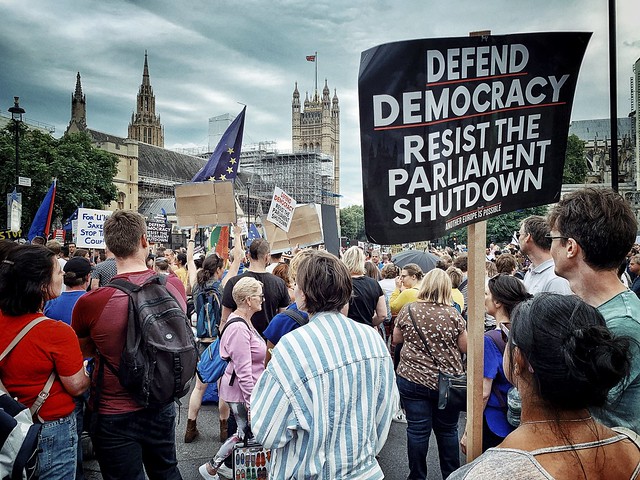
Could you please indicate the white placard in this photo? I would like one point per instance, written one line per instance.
(281, 209)
(90, 227)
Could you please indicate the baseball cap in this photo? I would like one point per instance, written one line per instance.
(78, 265)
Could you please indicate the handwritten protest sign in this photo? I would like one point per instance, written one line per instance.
(465, 129)
(90, 227)
(281, 209)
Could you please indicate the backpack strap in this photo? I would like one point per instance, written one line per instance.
(229, 322)
(44, 393)
(297, 316)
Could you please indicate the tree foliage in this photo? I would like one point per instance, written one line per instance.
(352, 222)
(499, 229)
(575, 165)
(85, 173)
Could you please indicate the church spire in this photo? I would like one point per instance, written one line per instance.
(145, 124)
(78, 122)
(145, 71)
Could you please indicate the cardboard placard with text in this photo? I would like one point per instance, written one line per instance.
(305, 230)
(90, 227)
(281, 209)
(205, 203)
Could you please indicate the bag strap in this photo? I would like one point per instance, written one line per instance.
(297, 316)
(44, 393)
(229, 322)
(424, 340)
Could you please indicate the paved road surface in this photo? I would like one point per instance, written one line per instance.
(393, 457)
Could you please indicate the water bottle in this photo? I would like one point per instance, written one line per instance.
(514, 406)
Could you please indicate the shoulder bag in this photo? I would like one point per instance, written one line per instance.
(452, 389)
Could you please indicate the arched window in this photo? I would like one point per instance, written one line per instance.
(121, 197)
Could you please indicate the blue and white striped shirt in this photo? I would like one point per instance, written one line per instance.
(325, 402)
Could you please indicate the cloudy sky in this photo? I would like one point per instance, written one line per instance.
(206, 56)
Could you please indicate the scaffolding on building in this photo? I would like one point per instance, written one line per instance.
(305, 176)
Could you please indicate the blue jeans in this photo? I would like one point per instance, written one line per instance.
(126, 442)
(421, 407)
(58, 446)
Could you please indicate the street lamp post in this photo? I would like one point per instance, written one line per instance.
(16, 116)
(248, 208)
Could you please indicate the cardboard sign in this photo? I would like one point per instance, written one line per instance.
(281, 209)
(305, 230)
(205, 203)
(465, 129)
(90, 227)
(10, 234)
(158, 232)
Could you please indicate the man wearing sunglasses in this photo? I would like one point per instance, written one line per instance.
(592, 230)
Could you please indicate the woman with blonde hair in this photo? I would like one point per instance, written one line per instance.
(434, 339)
(241, 343)
(367, 304)
(407, 285)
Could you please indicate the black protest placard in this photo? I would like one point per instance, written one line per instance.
(458, 130)
(158, 232)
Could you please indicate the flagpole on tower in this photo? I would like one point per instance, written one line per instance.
(316, 64)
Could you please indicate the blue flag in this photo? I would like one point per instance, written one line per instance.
(223, 163)
(42, 220)
(253, 234)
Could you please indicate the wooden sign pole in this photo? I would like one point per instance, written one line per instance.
(476, 240)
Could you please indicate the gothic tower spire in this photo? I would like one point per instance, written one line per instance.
(145, 125)
(78, 121)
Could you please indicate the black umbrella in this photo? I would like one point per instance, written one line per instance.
(425, 260)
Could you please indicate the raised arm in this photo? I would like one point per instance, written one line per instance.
(238, 252)
(191, 265)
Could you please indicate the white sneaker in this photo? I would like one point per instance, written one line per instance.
(205, 474)
(225, 471)
(400, 416)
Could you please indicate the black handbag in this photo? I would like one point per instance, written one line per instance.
(452, 389)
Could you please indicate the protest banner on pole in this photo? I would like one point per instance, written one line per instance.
(465, 129)
(158, 232)
(281, 209)
(90, 227)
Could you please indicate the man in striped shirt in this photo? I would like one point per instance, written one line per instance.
(325, 402)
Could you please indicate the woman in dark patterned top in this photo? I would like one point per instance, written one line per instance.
(417, 374)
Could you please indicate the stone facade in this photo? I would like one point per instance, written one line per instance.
(145, 125)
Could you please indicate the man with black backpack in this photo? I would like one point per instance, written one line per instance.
(136, 327)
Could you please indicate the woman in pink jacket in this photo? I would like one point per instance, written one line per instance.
(246, 350)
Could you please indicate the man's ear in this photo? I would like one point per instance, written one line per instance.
(573, 248)
(144, 242)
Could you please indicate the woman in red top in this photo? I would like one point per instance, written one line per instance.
(29, 276)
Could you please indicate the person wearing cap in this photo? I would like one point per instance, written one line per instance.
(77, 272)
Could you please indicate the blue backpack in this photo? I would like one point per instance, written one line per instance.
(209, 308)
(211, 365)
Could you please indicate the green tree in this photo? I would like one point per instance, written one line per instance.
(499, 229)
(352, 222)
(85, 174)
(575, 165)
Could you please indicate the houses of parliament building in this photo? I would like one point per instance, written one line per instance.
(147, 172)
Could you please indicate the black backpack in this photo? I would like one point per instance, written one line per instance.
(296, 316)
(160, 355)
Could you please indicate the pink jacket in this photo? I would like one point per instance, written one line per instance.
(246, 349)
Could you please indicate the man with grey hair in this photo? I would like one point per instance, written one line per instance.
(535, 244)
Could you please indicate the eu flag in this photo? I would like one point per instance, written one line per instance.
(253, 234)
(42, 220)
(223, 163)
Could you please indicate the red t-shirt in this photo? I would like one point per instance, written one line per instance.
(103, 314)
(49, 345)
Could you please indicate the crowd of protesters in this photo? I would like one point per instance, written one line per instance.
(325, 352)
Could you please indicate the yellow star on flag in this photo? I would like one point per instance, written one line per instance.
(232, 161)
(229, 150)
(223, 177)
(230, 170)
(212, 179)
